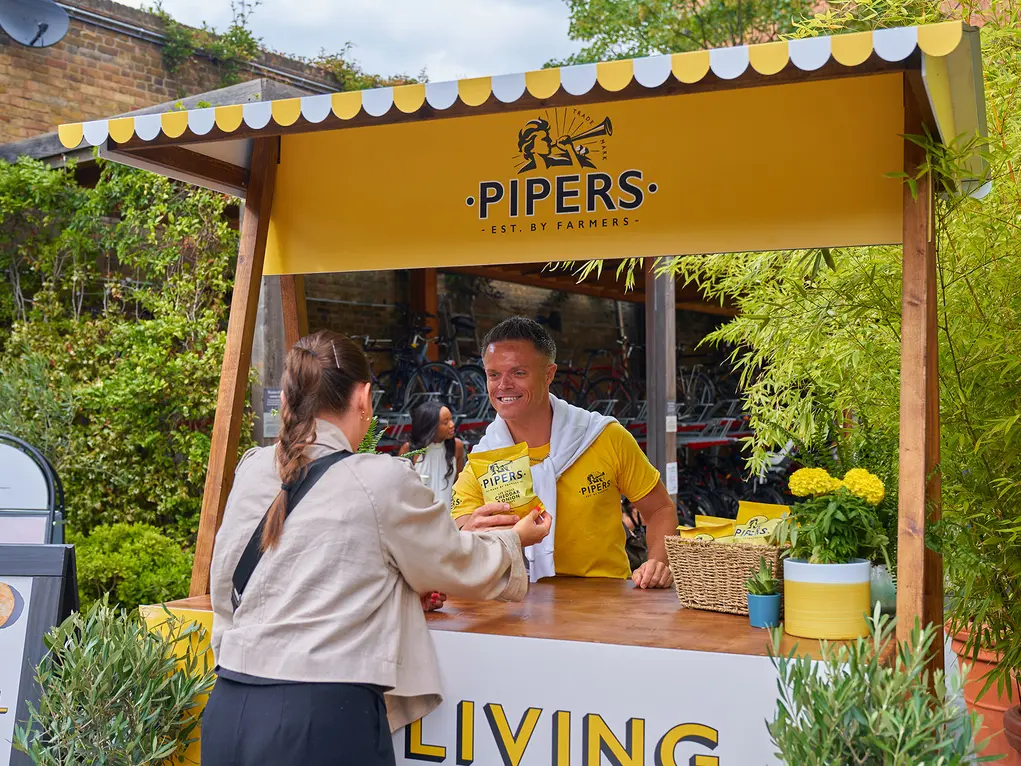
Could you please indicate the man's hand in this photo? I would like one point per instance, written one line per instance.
(488, 516)
(653, 574)
(432, 601)
(660, 515)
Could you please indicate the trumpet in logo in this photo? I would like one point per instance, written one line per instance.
(535, 142)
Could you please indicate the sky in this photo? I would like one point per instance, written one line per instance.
(450, 39)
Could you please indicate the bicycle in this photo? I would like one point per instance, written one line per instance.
(696, 394)
(412, 378)
(619, 390)
(470, 370)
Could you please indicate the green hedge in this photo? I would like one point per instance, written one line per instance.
(134, 563)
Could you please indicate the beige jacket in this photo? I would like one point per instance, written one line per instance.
(337, 599)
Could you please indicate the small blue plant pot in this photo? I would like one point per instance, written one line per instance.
(764, 611)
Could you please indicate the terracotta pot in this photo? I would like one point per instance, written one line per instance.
(1012, 727)
(991, 706)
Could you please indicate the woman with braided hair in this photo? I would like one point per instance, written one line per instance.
(328, 652)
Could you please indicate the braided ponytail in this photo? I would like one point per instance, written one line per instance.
(320, 373)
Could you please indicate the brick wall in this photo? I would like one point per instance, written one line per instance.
(109, 63)
(358, 304)
(585, 322)
(365, 304)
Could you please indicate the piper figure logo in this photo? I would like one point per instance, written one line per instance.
(536, 142)
(559, 181)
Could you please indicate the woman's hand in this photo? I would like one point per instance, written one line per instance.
(533, 528)
(432, 601)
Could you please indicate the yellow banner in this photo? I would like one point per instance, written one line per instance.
(778, 167)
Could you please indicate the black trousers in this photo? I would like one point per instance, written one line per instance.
(300, 724)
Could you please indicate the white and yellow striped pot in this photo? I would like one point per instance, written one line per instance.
(827, 601)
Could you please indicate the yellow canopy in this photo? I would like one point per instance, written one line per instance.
(782, 145)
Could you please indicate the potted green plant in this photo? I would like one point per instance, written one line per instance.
(855, 706)
(111, 686)
(831, 538)
(763, 597)
(979, 540)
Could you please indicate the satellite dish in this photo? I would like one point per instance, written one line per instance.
(35, 23)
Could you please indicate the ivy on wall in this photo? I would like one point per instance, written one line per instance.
(231, 51)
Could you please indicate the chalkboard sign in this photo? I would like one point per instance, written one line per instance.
(38, 589)
(31, 495)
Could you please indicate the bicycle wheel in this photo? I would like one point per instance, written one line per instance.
(685, 511)
(473, 378)
(476, 394)
(439, 382)
(695, 394)
(696, 502)
(609, 396)
(726, 502)
(768, 495)
(391, 395)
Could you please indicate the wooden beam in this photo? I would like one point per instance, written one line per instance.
(295, 308)
(661, 371)
(425, 299)
(920, 570)
(237, 356)
(195, 164)
(832, 70)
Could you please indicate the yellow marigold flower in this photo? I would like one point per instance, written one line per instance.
(865, 485)
(807, 482)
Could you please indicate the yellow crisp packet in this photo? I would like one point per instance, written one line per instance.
(710, 529)
(505, 476)
(756, 522)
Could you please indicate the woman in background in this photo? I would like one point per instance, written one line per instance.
(432, 430)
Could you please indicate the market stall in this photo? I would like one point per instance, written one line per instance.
(785, 146)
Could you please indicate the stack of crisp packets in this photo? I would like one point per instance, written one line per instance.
(754, 524)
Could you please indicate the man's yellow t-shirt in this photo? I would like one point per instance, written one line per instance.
(589, 533)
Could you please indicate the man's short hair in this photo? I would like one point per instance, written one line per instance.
(523, 328)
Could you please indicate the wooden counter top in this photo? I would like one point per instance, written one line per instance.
(599, 611)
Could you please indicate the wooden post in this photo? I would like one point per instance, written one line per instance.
(920, 570)
(292, 294)
(237, 355)
(661, 372)
(425, 300)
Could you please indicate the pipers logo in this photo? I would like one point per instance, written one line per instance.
(575, 144)
(597, 484)
(560, 180)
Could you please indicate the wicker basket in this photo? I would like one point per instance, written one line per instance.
(712, 575)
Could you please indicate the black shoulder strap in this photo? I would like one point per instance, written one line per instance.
(253, 551)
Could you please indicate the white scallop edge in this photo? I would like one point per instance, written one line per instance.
(95, 132)
(578, 80)
(895, 44)
(807, 54)
(201, 121)
(378, 101)
(316, 108)
(147, 127)
(441, 95)
(508, 88)
(653, 71)
(729, 63)
(257, 114)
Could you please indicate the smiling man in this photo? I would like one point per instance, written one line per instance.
(582, 462)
